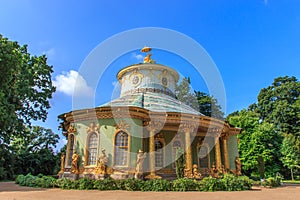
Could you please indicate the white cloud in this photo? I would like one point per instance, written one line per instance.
(138, 57)
(68, 81)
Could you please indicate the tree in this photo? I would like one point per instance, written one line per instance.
(208, 105)
(276, 104)
(291, 157)
(279, 104)
(179, 162)
(34, 151)
(200, 101)
(25, 89)
(184, 94)
(258, 139)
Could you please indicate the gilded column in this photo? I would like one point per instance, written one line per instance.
(153, 127)
(218, 153)
(225, 151)
(188, 128)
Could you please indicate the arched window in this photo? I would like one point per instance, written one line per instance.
(176, 145)
(121, 149)
(71, 149)
(159, 154)
(203, 156)
(92, 148)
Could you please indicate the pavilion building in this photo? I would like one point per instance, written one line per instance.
(148, 118)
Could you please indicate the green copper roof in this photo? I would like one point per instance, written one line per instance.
(153, 101)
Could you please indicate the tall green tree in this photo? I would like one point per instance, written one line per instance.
(208, 105)
(34, 151)
(184, 93)
(200, 101)
(279, 104)
(25, 88)
(289, 150)
(276, 104)
(258, 139)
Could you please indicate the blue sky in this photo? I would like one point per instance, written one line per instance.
(251, 42)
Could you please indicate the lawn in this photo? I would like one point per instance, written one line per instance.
(290, 181)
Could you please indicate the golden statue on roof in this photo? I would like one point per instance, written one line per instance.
(147, 58)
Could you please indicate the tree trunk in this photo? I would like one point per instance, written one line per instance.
(292, 174)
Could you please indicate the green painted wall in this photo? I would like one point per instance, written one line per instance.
(106, 139)
(232, 145)
(108, 131)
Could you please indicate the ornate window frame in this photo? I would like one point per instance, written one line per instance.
(69, 148)
(115, 152)
(206, 145)
(87, 147)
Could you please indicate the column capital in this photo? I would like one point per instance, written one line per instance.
(187, 127)
(224, 135)
(154, 126)
(214, 132)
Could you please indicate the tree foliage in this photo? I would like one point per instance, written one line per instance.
(200, 101)
(32, 152)
(257, 139)
(184, 93)
(291, 157)
(276, 104)
(271, 128)
(25, 89)
(208, 105)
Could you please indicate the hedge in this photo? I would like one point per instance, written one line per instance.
(226, 183)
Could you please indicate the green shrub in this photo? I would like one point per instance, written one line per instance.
(45, 182)
(20, 179)
(65, 183)
(211, 184)
(179, 162)
(156, 185)
(230, 182)
(30, 180)
(85, 184)
(244, 183)
(184, 184)
(271, 182)
(226, 183)
(233, 183)
(132, 184)
(107, 184)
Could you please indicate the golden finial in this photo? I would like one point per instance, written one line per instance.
(147, 59)
(146, 49)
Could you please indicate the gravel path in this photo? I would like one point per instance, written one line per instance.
(11, 191)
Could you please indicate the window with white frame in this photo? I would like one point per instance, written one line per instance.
(92, 148)
(159, 154)
(121, 149)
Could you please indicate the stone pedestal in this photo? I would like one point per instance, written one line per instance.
(119, 176)
(74, 176)
(100, 176)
